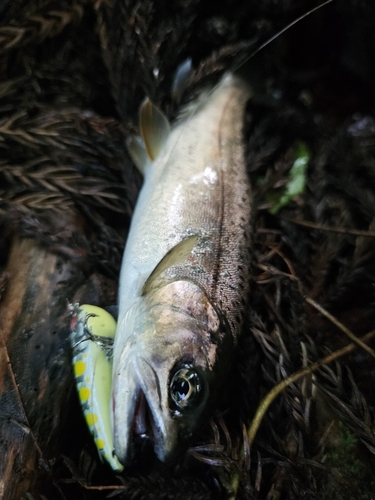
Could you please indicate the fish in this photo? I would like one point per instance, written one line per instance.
(185, 274)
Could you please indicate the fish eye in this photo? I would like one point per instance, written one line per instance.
(185, 388)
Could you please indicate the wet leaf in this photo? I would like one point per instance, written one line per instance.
(297, 179)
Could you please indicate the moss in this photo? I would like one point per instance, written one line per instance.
(348, 476)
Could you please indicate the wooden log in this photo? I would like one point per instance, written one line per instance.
(36, 383)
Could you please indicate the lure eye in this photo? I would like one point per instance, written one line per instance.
(185, 388)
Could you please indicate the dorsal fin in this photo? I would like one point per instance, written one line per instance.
(154, 127)
(176, 255)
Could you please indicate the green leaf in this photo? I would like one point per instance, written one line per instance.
(297, 179)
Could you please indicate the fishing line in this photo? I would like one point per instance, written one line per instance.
(250, 56)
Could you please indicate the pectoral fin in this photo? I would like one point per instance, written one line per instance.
(138, 153)
(154, 127)
(175, 256)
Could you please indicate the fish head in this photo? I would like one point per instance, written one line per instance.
(172, 348)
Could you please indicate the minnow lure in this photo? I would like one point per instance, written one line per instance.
(92, 363)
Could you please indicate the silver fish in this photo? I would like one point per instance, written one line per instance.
(185, 272)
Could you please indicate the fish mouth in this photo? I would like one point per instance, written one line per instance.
(139, 418)
(143, 423)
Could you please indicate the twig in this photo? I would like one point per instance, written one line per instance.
(103, 488)
(285, 259)
(277, 389)
(342, 327)
(273, 270)
(342, 230)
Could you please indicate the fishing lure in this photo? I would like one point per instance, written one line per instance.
(92, 333)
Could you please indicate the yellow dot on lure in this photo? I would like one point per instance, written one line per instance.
(100, 443)
(79, 368)
(91, 419)
(84, 394)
